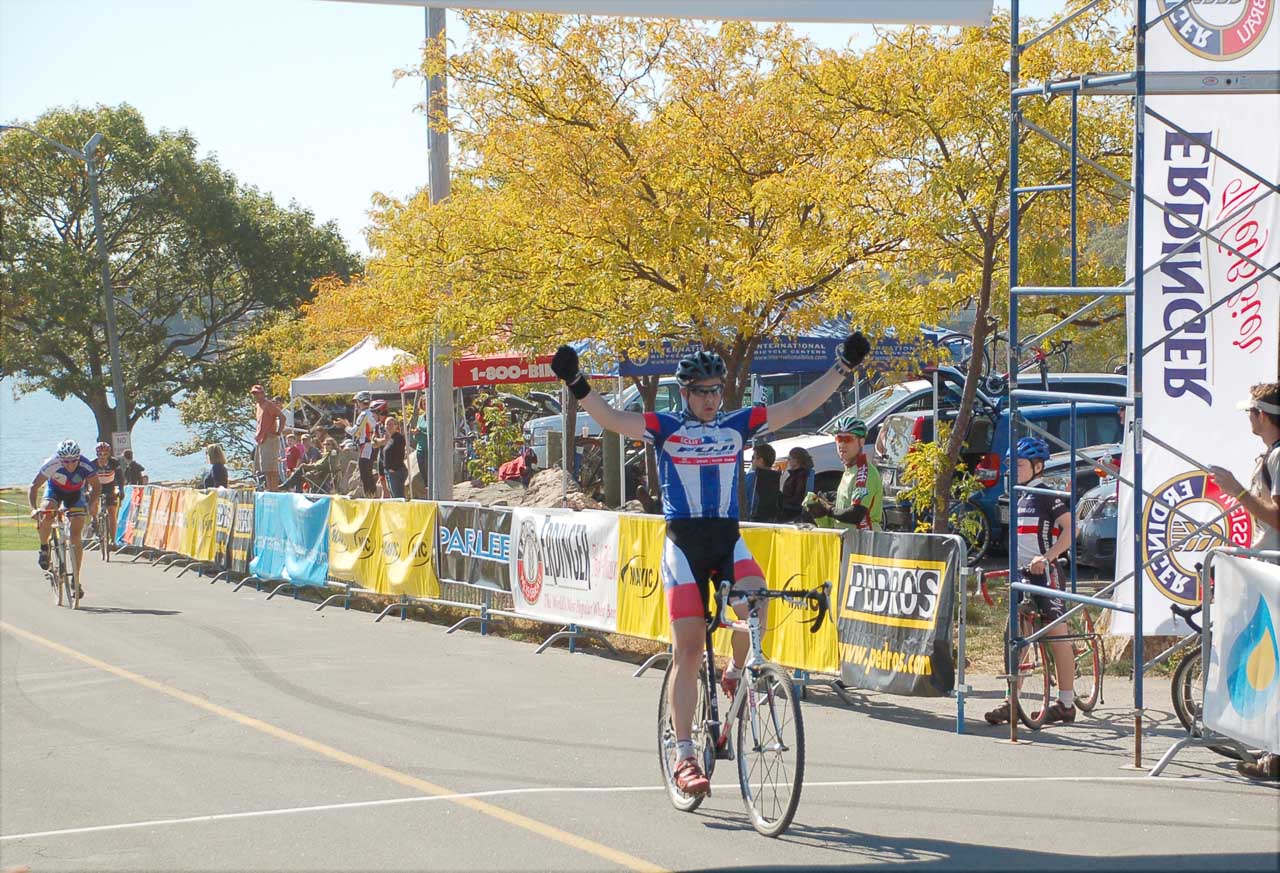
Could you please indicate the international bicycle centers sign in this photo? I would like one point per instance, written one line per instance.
(1215, 175)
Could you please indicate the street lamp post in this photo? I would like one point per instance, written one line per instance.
(113, 339)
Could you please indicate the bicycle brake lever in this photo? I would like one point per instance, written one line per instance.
(822, 602)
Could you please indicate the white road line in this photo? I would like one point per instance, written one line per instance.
(624, 789)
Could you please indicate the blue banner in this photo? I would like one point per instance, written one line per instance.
(291, 538)
(123, 515)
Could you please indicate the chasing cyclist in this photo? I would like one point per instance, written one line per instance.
(111, 482)
(699, 459)
(1044, 535)
(69, 478)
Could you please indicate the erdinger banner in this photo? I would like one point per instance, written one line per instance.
(565, 566)
(474, 547)
(897, 598)
(1242, 692)
(1192, 382)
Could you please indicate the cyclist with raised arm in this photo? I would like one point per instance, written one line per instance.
(111, 486)
(699, 460)
(70, 479)
(1044, 534)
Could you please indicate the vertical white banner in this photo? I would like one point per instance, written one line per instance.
(1192, 382)
(564, 566)
(1242, 687)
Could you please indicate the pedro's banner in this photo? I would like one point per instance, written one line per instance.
(897, 599)
(642, 605)
(1211, 163)
(1242, 693)
(291, 538)
(565, 566)
(474, 546)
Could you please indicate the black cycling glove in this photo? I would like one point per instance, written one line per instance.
(853, 515)
(565, 366)
(853, 350)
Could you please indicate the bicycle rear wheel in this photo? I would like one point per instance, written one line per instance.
(1187, 687)
(1034, 688)
(704, 746)
(770, 734)
(1089, 659)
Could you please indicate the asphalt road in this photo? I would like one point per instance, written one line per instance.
(176, 725)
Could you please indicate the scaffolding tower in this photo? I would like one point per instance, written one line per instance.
(1135, 85)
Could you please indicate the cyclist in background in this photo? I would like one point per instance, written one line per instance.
(69, 478)
(111, 482)
(699, 460)
(859, 501)
(1044, 534)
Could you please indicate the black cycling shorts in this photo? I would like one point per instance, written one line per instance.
(1050, 608)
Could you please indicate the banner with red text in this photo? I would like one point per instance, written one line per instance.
(564, 566)
(1193, 381)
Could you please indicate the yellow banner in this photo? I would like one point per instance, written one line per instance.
(408, 549)
(173, 538)
(200, 537)
(642, 605)
(354, 539)
(159, 522)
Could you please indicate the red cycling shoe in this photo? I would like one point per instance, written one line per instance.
(690, 779)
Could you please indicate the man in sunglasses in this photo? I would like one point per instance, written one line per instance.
(699, 460)
(859, 498)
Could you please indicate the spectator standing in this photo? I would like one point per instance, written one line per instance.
(1262, 499)
(796, 483)
(764, 485)
(422, 437)
(134, 473)
(380, 413)
(266, 439)
(293, 452)
(859, 500)
(217, 475)
(393, 458)
(361, 432)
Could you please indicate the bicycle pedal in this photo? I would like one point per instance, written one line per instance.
(724, 754)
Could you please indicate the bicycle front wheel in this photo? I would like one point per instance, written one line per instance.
(770, 734)
(104, 534)
(1086, 645)
(1187, 686)
(704, 747)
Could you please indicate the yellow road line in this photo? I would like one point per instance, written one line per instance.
(613, 856)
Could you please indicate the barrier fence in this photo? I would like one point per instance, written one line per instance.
(894, 597)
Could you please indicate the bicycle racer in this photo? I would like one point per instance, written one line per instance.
(699, 460)
(1041, 518)
(111, 482)
(70, 480)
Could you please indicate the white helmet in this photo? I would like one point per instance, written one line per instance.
(362, 397)
(68, 449)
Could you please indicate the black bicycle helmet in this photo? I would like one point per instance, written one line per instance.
(700, 365)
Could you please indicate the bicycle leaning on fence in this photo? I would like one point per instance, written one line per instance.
(61, 572)
(767, 737)
(1037, 670)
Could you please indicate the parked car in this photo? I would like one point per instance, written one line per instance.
(772, 388)
(986, 453)
(1096, 526)
(916, 395)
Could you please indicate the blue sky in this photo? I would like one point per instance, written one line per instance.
(295, 97)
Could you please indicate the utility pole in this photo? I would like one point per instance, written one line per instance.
(441, 364)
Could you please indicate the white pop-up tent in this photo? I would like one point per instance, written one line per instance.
(349, 372)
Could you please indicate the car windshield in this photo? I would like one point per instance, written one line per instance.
(871, 405)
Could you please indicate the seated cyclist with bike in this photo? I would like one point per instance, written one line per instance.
(70, 481)
(699, 460)
(1043, 536)
(111, 482)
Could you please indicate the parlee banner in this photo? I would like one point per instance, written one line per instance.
(474, 546)
(565, 566)
(1192, 382)
(897, 598)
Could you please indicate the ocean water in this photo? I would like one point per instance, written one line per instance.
(32, 426)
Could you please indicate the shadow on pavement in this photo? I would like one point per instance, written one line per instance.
(117, 610)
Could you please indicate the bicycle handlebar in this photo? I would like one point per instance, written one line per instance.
(815, 598)
(1186, 614)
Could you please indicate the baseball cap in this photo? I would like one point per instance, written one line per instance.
(256, 389)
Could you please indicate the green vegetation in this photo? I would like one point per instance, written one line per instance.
(16, 534)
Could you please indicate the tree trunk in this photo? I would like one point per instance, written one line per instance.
(648, 386)
(981, 326)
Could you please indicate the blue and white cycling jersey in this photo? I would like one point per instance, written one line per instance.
(698, 464)
(68, 481)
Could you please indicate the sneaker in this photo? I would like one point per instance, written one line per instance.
(1057, 711)
(690, 779)
(1000, 715)
(1266, 767)
(43, 558)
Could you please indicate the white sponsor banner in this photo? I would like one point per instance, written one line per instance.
(564, 566)
(974, 13)
(1193, 381)
(1242, 690)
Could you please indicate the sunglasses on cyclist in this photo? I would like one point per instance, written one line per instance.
(847, 437)
(707, 390)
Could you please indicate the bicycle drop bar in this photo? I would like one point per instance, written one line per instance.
(814, 598)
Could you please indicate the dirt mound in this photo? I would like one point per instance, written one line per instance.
(545, 490)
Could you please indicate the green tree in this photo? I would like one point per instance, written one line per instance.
(197, 261)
